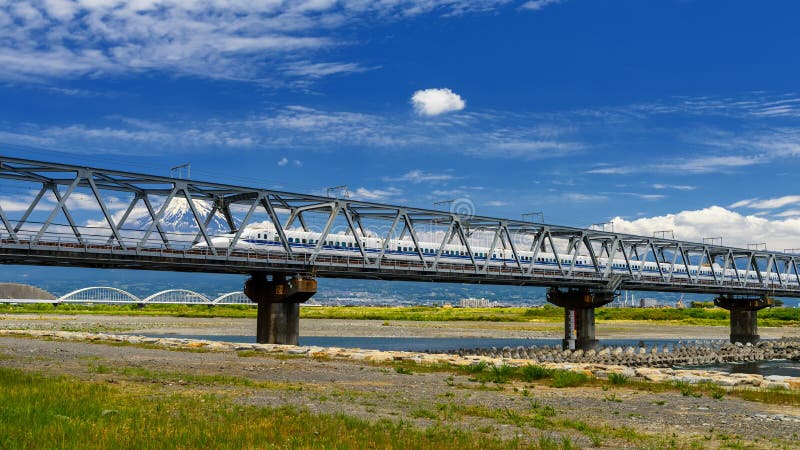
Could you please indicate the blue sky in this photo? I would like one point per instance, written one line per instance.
(673, 114)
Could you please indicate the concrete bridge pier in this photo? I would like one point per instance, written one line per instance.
(278, 301)
(579, 305)
(744, 315)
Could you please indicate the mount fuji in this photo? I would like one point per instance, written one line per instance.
(178, 218)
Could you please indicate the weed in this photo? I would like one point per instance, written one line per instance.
(532, 372)
(403, 370)
(422, 413)
(67, 413)
(501, 374)
(717, 392)
(568, 378)
(617, 379)
(474, 368)
(687, 390)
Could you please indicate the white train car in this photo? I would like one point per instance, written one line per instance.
(267, 240)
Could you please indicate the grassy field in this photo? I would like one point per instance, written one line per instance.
(58, 412)
(688, 316)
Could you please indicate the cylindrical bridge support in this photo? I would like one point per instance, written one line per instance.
(579, 305)
(278, 301)
(744, 316)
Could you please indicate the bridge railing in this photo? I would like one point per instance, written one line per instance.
(304, 261)
(48, 224)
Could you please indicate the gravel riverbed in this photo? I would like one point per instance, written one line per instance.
(371, 390)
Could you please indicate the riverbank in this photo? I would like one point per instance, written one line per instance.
(469, 398)
(771, 317)
(442, 401)
(227, 326)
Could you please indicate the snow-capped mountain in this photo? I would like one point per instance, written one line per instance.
(178, 218)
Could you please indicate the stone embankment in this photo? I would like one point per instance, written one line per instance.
(516, 357)
(699, 353)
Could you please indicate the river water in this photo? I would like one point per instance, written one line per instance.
(445, 345)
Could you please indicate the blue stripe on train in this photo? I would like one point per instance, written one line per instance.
(396, 252)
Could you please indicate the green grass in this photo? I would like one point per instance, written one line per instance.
(46, 412)
(533, 372)
(567, 378)
(487, 373)
(159, 376)
(618, 379)
(549, 313)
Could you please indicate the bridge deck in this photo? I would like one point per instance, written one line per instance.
(54, 228)
(334, 266)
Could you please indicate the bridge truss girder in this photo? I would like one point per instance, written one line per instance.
(773, 270)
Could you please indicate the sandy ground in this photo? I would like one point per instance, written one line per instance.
(376, 392)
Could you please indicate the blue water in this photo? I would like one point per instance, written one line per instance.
(411, 344)
(61, 280)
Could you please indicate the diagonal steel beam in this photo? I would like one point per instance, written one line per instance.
(386, 240)
(273, 216)
(156, 223)
(7, 224)
(198, 220)
(60, 206)
(110, 220)
(31, 207)
(409, 225)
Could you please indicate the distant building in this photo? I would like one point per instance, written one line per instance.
(474, 303)
(648, 303)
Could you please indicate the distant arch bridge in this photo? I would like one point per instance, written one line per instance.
(115, 296)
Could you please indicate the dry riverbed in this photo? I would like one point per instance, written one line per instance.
(594, 415)
(221, 326)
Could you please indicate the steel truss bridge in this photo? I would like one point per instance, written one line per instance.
(45, 223)
(114, 296)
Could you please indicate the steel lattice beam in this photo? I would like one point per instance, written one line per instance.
(762, 271)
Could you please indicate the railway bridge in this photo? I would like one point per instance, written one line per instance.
(68, 215)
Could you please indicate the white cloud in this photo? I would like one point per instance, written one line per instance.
(528, 149)
(536, 5)
(496, 203)
(13, 205)
(283, 162)
(734, 228)
(432, 102)
(700, 165)
(419, 176)
(255, 40)
(375, 194)
(770, 203)
(581, 198)
(677, 187)
(789, 213)
(323, 69)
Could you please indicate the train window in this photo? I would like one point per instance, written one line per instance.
(305, 241)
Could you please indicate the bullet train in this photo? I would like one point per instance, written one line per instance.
(267, 239)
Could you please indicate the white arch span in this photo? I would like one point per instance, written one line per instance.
(99, 294)
(233, 298)
(182, 296)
